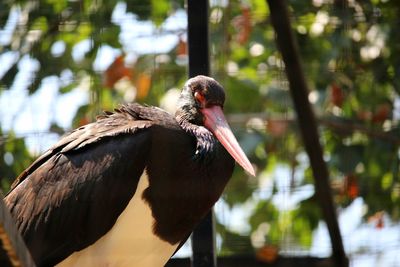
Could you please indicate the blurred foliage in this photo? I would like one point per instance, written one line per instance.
(15, 157)
(351, 58)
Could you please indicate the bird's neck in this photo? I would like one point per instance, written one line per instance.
(206, 143)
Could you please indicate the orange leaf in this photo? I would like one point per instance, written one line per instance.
(267, 253)
(243, 25)
(352, 189)
(380, 223)
(364, 115)
(377, 219)
(116, 71)
(337, 95)
(381, 113)
(83, 121)
(143, 84)
(181, 49)
(277, 127)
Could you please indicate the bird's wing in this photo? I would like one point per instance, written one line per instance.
(126, 119)
(86, 179)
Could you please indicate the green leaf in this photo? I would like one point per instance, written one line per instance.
(58, 6)
(40, 23)
(159, 10)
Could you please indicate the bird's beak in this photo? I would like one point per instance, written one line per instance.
(215, 121)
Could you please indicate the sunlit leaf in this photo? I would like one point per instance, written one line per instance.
(159, 10)
(143, 84)
(40, 24)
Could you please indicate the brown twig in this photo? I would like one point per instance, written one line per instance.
(307, 123)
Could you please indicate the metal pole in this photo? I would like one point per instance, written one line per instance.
(203, 239)
(198, 39)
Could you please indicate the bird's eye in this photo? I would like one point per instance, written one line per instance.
(200, 98)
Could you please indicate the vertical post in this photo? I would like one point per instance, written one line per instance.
(199, 63)
(203, 241)
(203, 244)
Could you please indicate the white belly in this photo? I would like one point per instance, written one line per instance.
(130, 242)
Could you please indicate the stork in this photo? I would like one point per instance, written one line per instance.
(128, 189)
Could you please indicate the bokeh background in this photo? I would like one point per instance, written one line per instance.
(64, 62)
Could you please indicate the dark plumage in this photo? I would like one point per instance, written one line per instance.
(73, 194)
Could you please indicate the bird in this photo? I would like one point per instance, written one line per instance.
(128, 188)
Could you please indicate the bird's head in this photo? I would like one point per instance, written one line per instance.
(201, 103)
